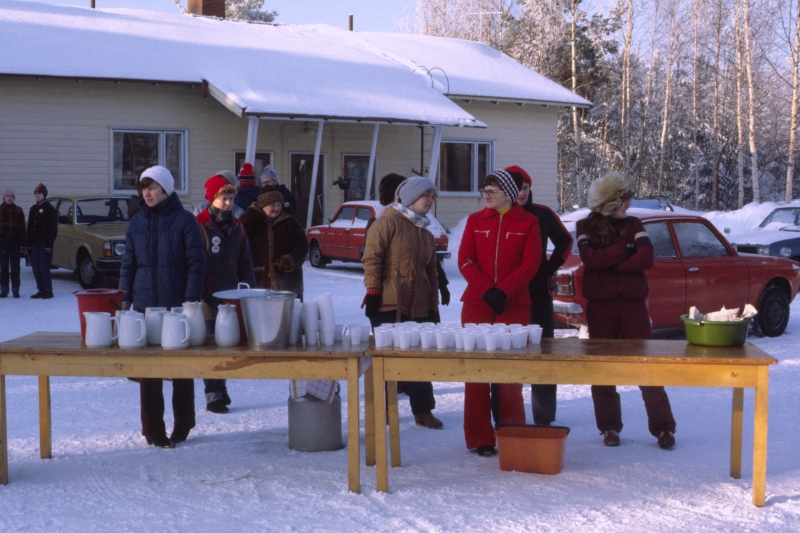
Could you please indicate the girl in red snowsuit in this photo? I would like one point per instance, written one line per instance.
(615, 251)
(499, 255)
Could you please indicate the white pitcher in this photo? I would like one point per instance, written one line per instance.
(132, 330)
(152, 318)
(99, 329)
(197, 322)
(176, 331)
(226, 326)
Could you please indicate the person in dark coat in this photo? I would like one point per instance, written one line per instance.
(247, 194)
(269, 177)
(616, 250)
(543, 397)
(277, 243)
(163, 266)
(228, 262)
(12, 239)
(42, 232)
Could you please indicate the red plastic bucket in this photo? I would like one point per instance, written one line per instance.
(98, 300)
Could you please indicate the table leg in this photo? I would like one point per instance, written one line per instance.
(353, 423)
(45, 421)
(736, 433)
(394, 422)
(760, 437)
(369, 417)
(3, 433)
(381, 468)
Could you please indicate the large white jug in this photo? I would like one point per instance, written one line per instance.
(176, 331)
(132, 330)
(197, 322)
(152, 318)
(226, 326)
(99, 329)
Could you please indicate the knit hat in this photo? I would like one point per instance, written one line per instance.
(162, 176)
(41, 189)
(506, 182)
(268, 195)
(216, 186)
(230, 176)
(521, 171)
(269, 174)
(10, 192)
(411, 189)
(246, 177)
(606, 194)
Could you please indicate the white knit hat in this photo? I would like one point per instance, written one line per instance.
(411, 189)
(162, 176)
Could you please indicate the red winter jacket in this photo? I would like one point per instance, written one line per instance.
(500, 251)
(615, 271)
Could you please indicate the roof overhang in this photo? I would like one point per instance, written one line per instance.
(518, 101)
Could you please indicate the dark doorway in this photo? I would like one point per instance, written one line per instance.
(302, 167)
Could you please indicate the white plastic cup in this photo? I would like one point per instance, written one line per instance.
(535, 336)
(427, 339)
(490, 342)
(327, 336)
(480, 339)
(355, 333)
(519, 339)
(499, 328)
(415, 334)
(441, 340)
(459, 338)
(469, 342)
(405, 340)
(504, 340)
(380, 337)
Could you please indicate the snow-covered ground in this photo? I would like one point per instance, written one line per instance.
(236, 472)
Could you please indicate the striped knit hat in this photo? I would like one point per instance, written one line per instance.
(506, 182)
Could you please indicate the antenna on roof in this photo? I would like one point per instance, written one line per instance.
(351, 21)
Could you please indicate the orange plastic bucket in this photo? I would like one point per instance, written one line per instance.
(98, 300)
(534, 449)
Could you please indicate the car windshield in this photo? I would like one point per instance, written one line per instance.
(101, 211)
(782, 216)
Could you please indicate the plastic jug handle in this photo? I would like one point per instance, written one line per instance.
(242, 284)
(188, 330)
(143, 329)
(114, 327)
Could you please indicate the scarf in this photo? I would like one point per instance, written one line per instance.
(420, 221)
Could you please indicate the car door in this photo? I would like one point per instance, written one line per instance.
(666, 280)
(357, 234)
(63, 244)
(334, 241)
(715, 275)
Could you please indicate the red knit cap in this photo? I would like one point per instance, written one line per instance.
(246, 176)
(215, 185)
(525, 176)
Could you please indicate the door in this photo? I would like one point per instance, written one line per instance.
(714, 275)
(666, 280)
(355, 169)
(302, 167)
(338, 233)
(64, 242)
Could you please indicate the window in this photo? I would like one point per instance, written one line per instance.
(262, 159)
(363, 213)
(346, 215)
(356, 169)
(463, 165)
(662, 240)
(696, 240)
(134, 151)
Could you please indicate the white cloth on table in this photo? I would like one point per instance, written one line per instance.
(322, 389)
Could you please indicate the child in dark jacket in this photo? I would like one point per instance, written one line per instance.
(228, 262)
(616, 250)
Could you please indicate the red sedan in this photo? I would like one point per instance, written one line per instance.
(695, 266)
(342, 237)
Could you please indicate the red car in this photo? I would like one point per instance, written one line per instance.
(342, 237)
(694, 266)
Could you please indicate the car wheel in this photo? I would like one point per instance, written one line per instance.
(773, 313)
(88, 276)
(315, 256)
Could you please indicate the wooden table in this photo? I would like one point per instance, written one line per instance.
(576, 361)
(46, 354)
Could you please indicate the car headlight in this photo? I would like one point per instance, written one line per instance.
(119, 248)
(763, 250)
(786, 252)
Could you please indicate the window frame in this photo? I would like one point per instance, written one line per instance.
(161, 150)
(475, 173)
(242, 155)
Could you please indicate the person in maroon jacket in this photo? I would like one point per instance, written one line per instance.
(543, 397)
(499, 254)
(616, 250)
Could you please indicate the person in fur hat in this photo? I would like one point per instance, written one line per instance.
(42, 232)
(12, 239)
(278, 243)
(270, 177)
(228, 262)
(616, 250)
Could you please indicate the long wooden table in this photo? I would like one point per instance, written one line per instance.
(587, 362)
(47, 354)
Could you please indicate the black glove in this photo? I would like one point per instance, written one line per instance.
(433, 316)
(496, 299)
(373, 305)
(445, 294)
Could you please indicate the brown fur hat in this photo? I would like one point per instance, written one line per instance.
(606, 194)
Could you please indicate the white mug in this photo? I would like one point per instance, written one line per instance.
(99, 329)
(153, 317)
(132, 330)
(175, 331)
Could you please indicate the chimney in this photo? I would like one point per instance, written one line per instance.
(207, 8)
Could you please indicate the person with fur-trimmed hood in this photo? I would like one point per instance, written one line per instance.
(278, 243)
(270, 177)
(228, 263)
(616, 250)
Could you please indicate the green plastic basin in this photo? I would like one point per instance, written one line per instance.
(705, 333)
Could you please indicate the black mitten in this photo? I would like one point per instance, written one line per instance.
(373, 305)
(496, 299)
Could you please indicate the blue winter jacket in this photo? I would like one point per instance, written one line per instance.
(164, 262)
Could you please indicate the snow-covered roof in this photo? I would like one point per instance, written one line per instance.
(460, 68)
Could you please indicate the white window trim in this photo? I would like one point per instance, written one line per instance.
(161, 150)
(475, 193)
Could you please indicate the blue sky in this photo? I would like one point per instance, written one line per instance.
(369, 15)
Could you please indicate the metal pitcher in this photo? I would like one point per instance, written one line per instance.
(268, 318)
